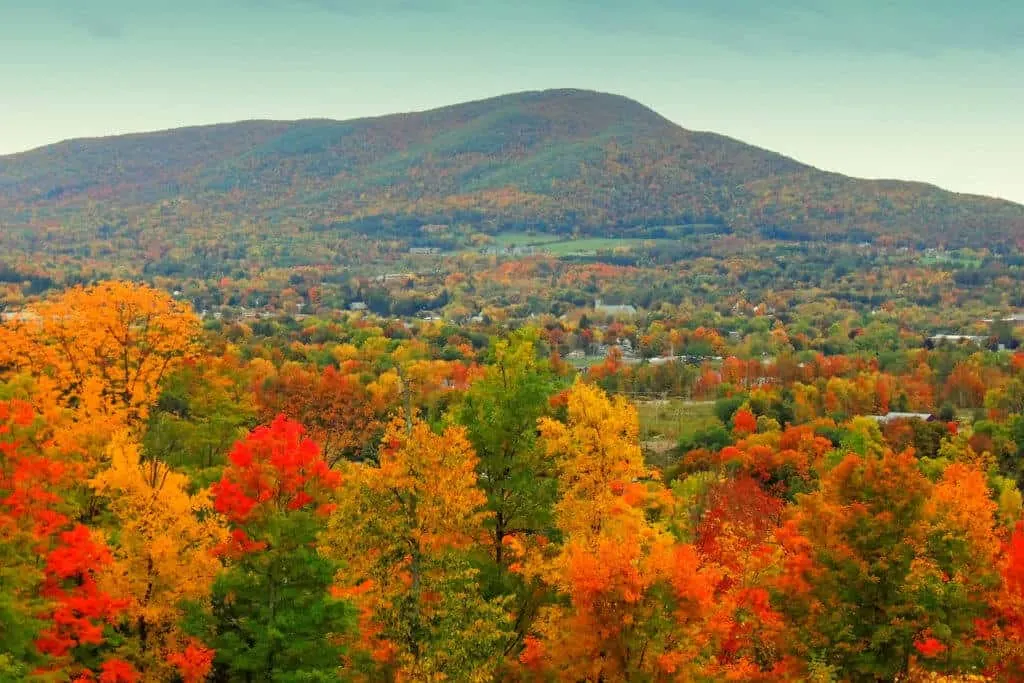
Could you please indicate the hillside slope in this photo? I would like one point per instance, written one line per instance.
(561, 160)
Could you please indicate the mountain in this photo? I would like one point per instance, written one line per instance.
(558, 160)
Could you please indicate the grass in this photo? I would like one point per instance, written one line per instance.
(663, 422)
(558, 245)
(673, 418)
(525, 239)
(589, 246)
(584, 362)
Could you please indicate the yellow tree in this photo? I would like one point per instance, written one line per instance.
(401, 531)
(638, 602)
(100, 350)
(164, 551)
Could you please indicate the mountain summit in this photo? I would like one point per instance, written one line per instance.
(559, 160)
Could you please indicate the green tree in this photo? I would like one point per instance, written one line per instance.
(500, 413)
(272, 616)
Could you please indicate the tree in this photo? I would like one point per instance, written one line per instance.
(203, 408)
(100, 350)
(744, 422)
(882, 567)
(30, 513)
(401, 531)
(500, 413)
(56, 614)
(336, 408)
(635, 600)
(272, 618)
(164, 550)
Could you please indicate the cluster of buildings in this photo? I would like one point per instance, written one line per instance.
(510, 251)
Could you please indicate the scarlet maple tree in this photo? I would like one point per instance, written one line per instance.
(193, 664)
(62, 607)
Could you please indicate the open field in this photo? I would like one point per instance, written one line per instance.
(591, 245)
(559, 245)
(525, 239)
(673, 417)
(662, 422)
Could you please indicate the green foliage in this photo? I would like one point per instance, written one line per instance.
(18, 629)
(272, 618)
(196, 419)
(725, 408)
(713, 438)
(500, 413)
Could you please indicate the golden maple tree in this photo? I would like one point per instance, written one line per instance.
(164, 553)
(401, 530)
(100, 351)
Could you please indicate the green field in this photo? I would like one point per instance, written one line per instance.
(558, 245)
(674, 417)
(525, 239)
(663, 422)
(591, 245)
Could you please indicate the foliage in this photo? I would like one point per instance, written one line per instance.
(401, 530)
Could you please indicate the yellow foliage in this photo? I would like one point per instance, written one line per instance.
(598, 453)
(165, 542)
(395, 528)
(101, 352)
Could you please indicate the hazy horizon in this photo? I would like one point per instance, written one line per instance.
(923, 92)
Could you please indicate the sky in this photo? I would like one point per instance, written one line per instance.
(928, 90)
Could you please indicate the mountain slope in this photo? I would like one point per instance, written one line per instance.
(561, 160)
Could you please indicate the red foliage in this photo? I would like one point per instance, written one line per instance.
(929, 647)
(532, 656)
(275, 468)
(194, 663)
(741, 509)
(118, 671)
(744, 422)
(80, 608)
(30, 479)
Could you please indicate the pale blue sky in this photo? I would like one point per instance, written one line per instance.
(908, 89)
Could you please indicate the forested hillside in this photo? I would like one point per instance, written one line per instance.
(561, 161)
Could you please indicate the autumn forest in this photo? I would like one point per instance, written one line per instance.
(339, 501)
(495, 394)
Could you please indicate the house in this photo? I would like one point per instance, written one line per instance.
(357, 306)
(615, 311)
(18, 316)
(509, 251)
(1016, 319)
(889, 417)
(391, 277)
(425, 251)
(957, 339)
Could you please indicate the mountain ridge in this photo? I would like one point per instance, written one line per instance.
(565, 160)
